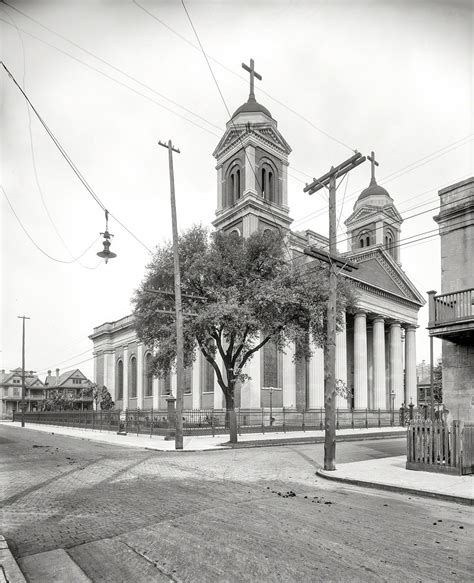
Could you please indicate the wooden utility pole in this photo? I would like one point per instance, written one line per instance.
(23, 372)
(328, 180)
(178, 306)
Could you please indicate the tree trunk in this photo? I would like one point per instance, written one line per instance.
(231, 419)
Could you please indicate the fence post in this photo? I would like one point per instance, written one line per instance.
(263, 422)
(212, 423)
(337, 418)
(352, 417)
(379, 417)
(138, 420)
(93, 420)
(303, 421)
(238, 424)
(151, 423)
(366, 418)
(284, 423)
(321, 418)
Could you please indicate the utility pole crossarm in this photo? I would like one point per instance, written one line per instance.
(335, 172)
(169, 146)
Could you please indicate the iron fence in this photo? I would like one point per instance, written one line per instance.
(214, 421)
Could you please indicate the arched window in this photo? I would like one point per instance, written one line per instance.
(237, 184)
(119, 380)
(267, 182)
(389, 242)
(148, 375)
(364, 239)
(133, 377)
(234, 184)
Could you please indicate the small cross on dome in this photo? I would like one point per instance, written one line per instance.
(253, 74)
(373, 164)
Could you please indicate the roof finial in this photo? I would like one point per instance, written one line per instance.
(373, 164)
(253, 74)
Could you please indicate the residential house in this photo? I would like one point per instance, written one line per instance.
(70, 384)
(10, 392)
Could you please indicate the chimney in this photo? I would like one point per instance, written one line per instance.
(49, 373)
(57, 374)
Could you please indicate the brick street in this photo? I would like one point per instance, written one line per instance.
(136, 515)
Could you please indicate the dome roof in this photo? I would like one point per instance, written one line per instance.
(252, 106)
(373, 190)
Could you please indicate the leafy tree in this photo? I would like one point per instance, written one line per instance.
(252, 294)
(101, 396)
(438, 383)
(58, 401)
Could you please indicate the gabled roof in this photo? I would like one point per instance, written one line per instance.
(30, 379)
(378, 269)
(53, 381)
(368, 211)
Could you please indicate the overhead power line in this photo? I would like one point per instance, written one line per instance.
(69, 160)
(42, 250)
(198, 48)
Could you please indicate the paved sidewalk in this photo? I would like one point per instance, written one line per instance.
(207, 442)
(390, 474)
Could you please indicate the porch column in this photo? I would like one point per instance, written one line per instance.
(289, 377)
(125, 377)
(316, 378)
(396, 366)
(140, 376)
(410, 365)
(379, 364)
(341, 364)
(360, 361)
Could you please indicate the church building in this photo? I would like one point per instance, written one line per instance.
(375, 354)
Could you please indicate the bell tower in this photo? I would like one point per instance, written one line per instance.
(252, 162)
(375, 220)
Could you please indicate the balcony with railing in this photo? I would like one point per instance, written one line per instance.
(451, 315)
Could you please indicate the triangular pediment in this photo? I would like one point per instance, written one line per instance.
(378, 269)
(365, 212)
(272, 135)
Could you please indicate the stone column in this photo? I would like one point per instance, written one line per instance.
(360, 361)
(140, 376)
(410, 365)
(396, 366)
(380, 399)
(196, 384)
(125, 378)
(289, 377)
(316, 378)
(220, 189)
(341, 364)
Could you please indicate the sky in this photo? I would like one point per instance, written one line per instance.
(111, 78)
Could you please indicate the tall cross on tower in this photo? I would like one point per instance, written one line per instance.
(253, 74)
(373, 164)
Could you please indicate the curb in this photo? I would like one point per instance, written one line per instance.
(9, 570)
(318, 439)
(398, 489)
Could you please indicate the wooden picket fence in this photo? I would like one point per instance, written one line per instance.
(435, 446)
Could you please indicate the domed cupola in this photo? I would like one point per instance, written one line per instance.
(375, 221)
(252, 161)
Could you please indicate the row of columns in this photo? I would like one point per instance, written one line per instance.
(396, 387)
